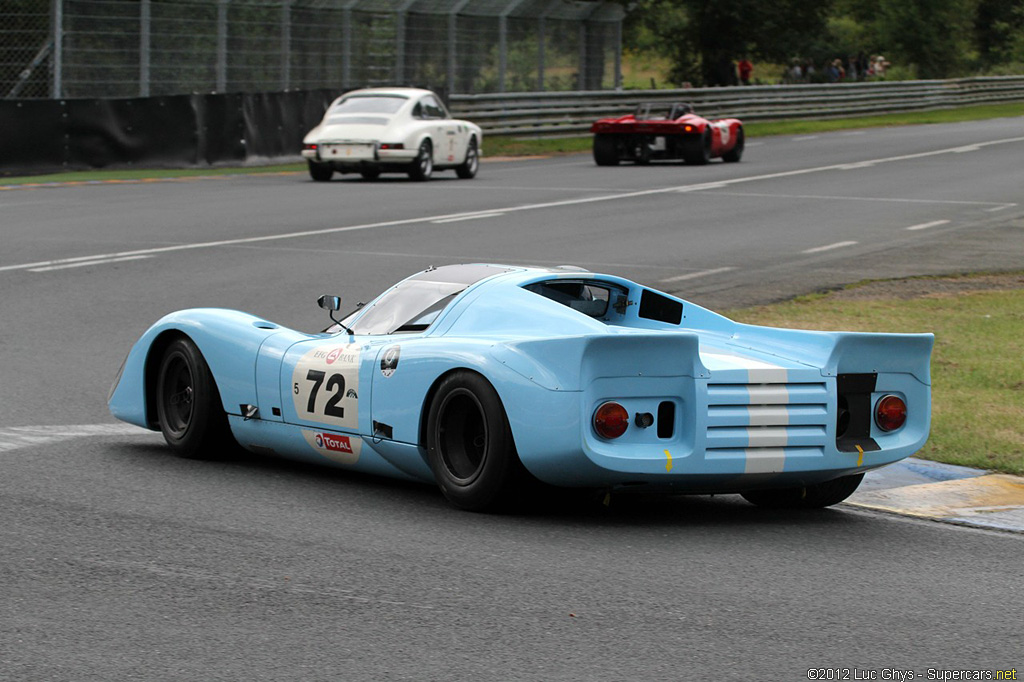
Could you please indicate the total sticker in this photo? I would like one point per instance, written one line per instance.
(325, 386)
(334, 446)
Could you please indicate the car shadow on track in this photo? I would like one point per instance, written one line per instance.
(328, 487)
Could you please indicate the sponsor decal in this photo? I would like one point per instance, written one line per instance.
(723, 129)
(333, 443)
(325, 386)
(334, 446)
(389, 360)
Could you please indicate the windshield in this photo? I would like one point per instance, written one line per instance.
(414, 304)
(409, 307)
(368, 104)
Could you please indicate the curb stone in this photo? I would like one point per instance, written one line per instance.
(945, 493)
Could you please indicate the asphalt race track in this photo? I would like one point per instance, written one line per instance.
(120, 561)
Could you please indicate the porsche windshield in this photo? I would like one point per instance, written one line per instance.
(413, 305)
(368, 104)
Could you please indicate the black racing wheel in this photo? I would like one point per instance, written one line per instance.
(188, 405)
(470, 446)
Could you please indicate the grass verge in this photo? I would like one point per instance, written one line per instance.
(515, 146)
(977, 372)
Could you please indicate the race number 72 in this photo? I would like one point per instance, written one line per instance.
(335, 384)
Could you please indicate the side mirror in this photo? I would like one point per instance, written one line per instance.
(332, 303)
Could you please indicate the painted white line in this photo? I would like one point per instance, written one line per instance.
(88, 262)
(528, 207)
(694, 275)
(829, 247)
(802, 138)
(706, 185)
(14, 437)
(925, 226)
(858, 165)
(852, 132)
(968, 148)
(467, 217)
(826, 197)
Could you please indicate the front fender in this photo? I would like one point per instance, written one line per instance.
(229, 341)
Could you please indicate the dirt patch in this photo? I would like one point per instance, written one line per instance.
(931, 287)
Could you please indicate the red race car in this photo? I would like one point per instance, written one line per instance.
(666, 131)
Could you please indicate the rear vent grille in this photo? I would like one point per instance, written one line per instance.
(746, 418)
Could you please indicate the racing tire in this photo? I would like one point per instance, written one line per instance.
(470, 447)
(370, 173)
(606, 150)
(188, 404)
(806, 497)
(736, 153)
(423, 165)
(697, 150)
(642, 152)
(321, 172)
(468, 169)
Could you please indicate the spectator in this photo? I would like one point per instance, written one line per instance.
(796, 73)
(852, 72)
(835, 71)
(881, 64)
(745, 68)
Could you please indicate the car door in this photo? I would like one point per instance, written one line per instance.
(328, 382)
(449, 141)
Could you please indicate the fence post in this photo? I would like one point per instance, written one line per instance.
(57, 19)
(453, 32)
(540, 53)
(145, 27)
(222, 45)
(286, 44)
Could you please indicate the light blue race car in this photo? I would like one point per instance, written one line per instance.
(488, 378)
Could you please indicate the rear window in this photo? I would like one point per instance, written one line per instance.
(596, 299)
(369, 104)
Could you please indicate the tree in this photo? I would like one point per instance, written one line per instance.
(702, 37)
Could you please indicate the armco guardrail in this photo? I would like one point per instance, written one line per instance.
(566, 114)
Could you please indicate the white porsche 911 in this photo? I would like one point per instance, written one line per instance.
(391, 130)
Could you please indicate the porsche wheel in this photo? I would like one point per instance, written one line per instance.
(736, 153)
(188, 405)
(807, 497)
(321, 172)
(697, 150)
(471, 165)
(606, 150)
(370, 173)
(423, 165)
(470, 446)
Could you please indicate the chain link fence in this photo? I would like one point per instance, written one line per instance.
(141, 48)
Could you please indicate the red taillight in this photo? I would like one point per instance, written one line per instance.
(397, 145)
(611, 420)
(688, 129)
(311, 147)
(890, 413)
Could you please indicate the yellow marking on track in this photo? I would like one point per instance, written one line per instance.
(860, 457)
(668, 464)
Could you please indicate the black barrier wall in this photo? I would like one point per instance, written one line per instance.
(45, 136)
